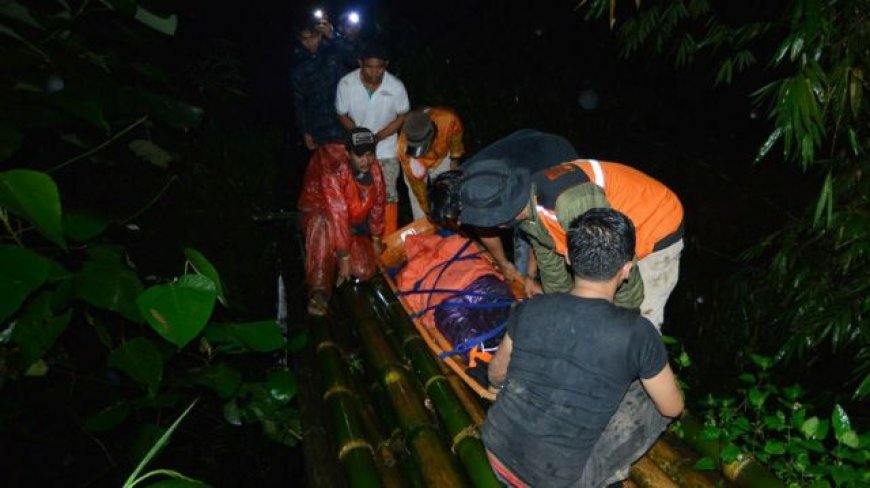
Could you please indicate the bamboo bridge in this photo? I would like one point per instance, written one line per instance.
(379, 409)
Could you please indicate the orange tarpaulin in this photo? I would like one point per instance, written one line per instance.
(428, 267)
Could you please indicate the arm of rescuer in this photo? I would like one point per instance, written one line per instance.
(333, 194)
(495, 247)
(664, 392)
(498, 365)
(391, 128)
(376, 215)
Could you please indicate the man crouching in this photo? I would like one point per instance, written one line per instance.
(570, 411)
(342, 205)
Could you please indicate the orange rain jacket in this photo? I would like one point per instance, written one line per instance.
(329, 185)
(448, 142)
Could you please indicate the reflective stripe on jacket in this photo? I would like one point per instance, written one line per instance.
(654, 209)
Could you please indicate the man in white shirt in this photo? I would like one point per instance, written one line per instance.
(371, 97)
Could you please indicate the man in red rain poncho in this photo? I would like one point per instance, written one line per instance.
(342, 205)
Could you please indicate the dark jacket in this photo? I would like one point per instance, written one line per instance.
(314, 79)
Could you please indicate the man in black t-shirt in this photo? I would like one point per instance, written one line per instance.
(570, 411)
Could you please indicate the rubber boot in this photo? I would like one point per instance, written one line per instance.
(391, 218)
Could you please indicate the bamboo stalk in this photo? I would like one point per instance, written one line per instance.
(434, 460)
(746, 472)
(354, 451)
(320, 462)
(452, 410)
(677, 467)
(646, 474)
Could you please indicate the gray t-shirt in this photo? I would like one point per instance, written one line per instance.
(572, 361)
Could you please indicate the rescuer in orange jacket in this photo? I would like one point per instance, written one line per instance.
(342, 206)
(430, 143)
(510, 188)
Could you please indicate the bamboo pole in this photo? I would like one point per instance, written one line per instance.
(320, 461)
(646, 474)
(354, 451)
(745, 472)
(453, 412)
(434, 460)
(677, 467)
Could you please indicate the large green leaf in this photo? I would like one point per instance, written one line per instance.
(140, 360)
(263, 336)
(220, 378)
(281, 385)
(10, 141)
(106, 282)
(179, 311)
(83, 226)
(21, 272)
(204, 267)
(38, 328)
(33, 196)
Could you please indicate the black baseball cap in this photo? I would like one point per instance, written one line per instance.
(360, 141)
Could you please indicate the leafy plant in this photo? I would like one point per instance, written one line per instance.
(85, 138)
(779, 427)
(811, 57)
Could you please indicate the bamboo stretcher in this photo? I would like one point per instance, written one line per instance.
(393, 256)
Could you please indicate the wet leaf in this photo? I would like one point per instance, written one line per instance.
(106, 282)
(179, 311)
(33, 196)
(204, 267)
(140, 360)
(21, 272)
(281, 385)
(774, 447)
(840, 421)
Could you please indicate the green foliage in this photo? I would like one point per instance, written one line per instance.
(23, 272)
(76, 109)
(33, 196)
(179, 311)
(782, 429)
(811, 56)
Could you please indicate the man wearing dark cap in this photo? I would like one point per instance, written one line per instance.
(429, 144)
(501, 191)
(342, 206)
(525, 148)
(371, 97)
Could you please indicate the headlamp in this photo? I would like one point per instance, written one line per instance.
(318, 13)
(353, 18)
